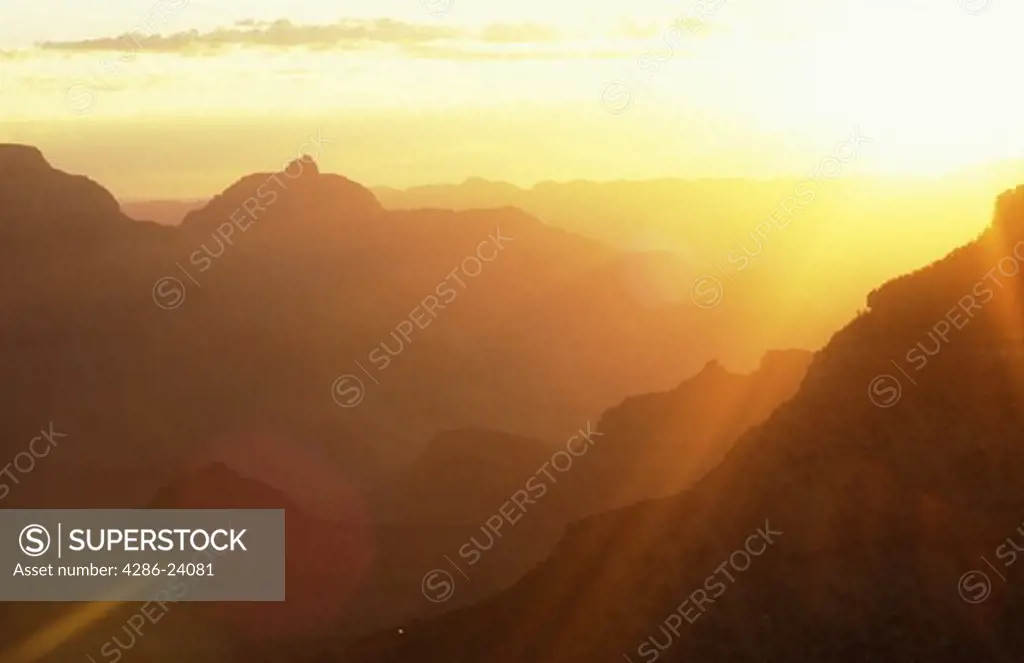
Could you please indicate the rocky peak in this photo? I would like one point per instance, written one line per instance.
(15, 157)
(305, 165)
(35, 196)
(298, 193)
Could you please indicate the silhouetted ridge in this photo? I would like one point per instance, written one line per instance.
(784, 360)
(34, 195)
(324, 561)
(484, 464)
(892, 472)
(928, 288)
(299, 192)
(21, 157)
(216, 486)
(713, 368)
(306, 165)
(1009, 216)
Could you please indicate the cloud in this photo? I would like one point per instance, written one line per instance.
(519, 33)
(283, 34)
(476, 55)
(15, 55)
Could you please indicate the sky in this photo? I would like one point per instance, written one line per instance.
(423, 91)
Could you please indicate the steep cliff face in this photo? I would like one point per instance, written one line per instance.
(881, 485)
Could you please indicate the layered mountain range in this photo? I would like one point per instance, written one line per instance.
(858, 505)
(733, 245)
(197, 366)
(245, 317)
(873, 517)
(757, 246)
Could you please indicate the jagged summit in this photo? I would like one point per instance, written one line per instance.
(306, 164)
(298, 191)
(35, 196)
(713, 366)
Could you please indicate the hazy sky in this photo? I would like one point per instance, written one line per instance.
(201, 91)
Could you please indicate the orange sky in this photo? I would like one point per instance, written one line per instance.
(439, 90)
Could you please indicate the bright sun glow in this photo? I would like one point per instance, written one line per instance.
(750, 89)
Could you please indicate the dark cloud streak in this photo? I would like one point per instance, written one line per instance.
(283, 34)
